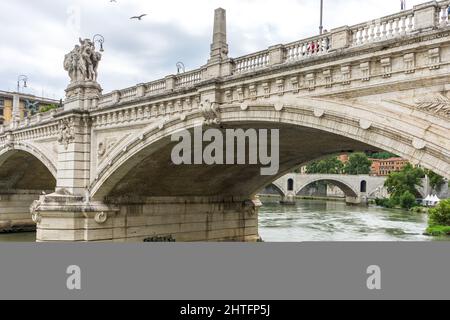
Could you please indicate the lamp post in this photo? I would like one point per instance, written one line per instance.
(21, 78)
(98, 38)
(180, 67)
(321, 17)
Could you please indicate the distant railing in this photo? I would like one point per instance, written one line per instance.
(155, 86)
(128, 94)
(385, 28)
(382, 29)
(189, 78)
(307, 48)
(252, 62)
(29, 121)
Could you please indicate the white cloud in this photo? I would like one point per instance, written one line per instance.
(35, 35)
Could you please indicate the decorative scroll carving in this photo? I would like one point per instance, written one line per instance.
(35, 214)
(105, 146)
(101, 217)
(211, 113)
(66, 133)
(437, 103)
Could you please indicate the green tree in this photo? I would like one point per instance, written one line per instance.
(436, 181)
(382, 155)
(406, 180)
(46, 108)
(441, 214)
(407, 200)
(330, 165)
(358, 163)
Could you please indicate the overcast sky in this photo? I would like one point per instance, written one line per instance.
(35, 35)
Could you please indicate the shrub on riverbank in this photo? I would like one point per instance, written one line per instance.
(406, 201)
(385, 202)
(439, 220)
(438, 231)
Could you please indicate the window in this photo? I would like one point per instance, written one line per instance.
(290, 185)
(363, 186)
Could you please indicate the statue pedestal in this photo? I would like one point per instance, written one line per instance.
(80, 95)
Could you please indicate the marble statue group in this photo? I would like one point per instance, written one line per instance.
(82, 62)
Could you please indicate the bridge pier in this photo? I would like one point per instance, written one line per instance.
(15, 211)
(69, 218)
(356, 201)
(289, 199)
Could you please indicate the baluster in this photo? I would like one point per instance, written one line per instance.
(391, 28)
(397, 26)
(411, 23)
(378, 31)
(445, 18)
(366, 34)
(384, 32)
(355, 37)
(372, 32)
(403, 24)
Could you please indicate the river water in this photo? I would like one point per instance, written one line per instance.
(317, 220)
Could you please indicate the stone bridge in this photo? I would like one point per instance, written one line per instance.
(358, 189)
(100, 168)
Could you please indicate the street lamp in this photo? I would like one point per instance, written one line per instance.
(180, 67)
(321, 17)
(100, 39)
(21, 78)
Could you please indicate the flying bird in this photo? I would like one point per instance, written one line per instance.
(139, 17)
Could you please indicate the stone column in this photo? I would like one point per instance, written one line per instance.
(340, 38)
(80, 95)
(219, 65)
(426, 16)
(73, 154)
(170, 82)
(276, 54)
(16, 108)
(219, 46)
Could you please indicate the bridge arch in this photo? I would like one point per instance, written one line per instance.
(23, 166)
(348, 190)
(276, 188)
(310, 128)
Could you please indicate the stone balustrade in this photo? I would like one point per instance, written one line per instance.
(383, 29)
(429, 15)
(188, 78)
(251, 62)
(444, 13)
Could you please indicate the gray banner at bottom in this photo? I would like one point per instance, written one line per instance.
(226, 271)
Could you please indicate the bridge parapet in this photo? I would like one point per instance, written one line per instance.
(320, 74)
